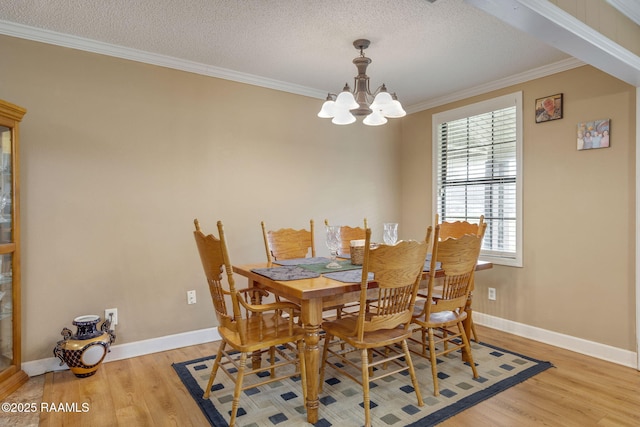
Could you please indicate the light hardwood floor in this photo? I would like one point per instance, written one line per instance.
(145, 391)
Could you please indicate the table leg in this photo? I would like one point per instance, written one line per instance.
(312, 320)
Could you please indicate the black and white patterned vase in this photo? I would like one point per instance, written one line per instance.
(85, 351)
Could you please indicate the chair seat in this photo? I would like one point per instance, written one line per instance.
(345, 328)
(262, 331)
(442, 319)
(437, 319)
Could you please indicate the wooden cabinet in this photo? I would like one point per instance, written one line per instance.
(11, 374)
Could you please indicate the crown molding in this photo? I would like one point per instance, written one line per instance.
(64, 40)
(526, 76)
(88, 45)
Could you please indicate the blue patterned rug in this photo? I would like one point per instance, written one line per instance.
(393, 400)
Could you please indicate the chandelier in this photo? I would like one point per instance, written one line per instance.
(377, 106)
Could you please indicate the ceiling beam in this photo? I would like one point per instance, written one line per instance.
(554, 26)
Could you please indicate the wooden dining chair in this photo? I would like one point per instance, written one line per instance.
(373, 337)
(439, 320)
(456, 230)
(288, 243)
(348, 233)
(256, 330)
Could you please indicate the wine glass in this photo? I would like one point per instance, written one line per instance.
(390, 235)
(333, 243)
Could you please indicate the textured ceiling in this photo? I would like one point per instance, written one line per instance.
(421, 50)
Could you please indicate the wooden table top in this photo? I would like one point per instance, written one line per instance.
(317, 287)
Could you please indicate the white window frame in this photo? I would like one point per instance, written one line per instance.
(513, 99)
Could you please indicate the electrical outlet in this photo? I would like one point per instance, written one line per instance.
(111, 313)
(492, 294)
(191, 297)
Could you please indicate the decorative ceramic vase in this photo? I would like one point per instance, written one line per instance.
(85, 351)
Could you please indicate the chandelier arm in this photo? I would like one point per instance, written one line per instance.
(369, 89)
(378, 89)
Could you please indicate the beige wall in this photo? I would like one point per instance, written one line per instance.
(119, 157)
(579, 231)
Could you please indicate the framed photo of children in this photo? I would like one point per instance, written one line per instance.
(594, 134)
(549, 108)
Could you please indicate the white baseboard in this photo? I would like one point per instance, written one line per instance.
(133, 349)
(579, 345)
(170, 342)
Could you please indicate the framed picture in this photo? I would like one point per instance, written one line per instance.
(549, 108)
(594, 134)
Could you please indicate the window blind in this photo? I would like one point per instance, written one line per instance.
(477, 172)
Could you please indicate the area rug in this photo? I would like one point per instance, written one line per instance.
(393, 400)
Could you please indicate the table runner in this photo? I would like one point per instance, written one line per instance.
(427, 264)
(287, 272)
(298, 261)
(294, 269)
(322, 268)
(349, 276)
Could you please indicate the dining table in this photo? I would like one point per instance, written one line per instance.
(307, 283)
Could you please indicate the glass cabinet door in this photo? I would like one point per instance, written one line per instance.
(6, 187)
(11, 374)
(6, 240)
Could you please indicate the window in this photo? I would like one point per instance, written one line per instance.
(478, 171)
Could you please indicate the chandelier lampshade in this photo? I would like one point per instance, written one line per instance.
(377, 106)
(375, 119)
(343, 117)
(326, 112)
(346, 100)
